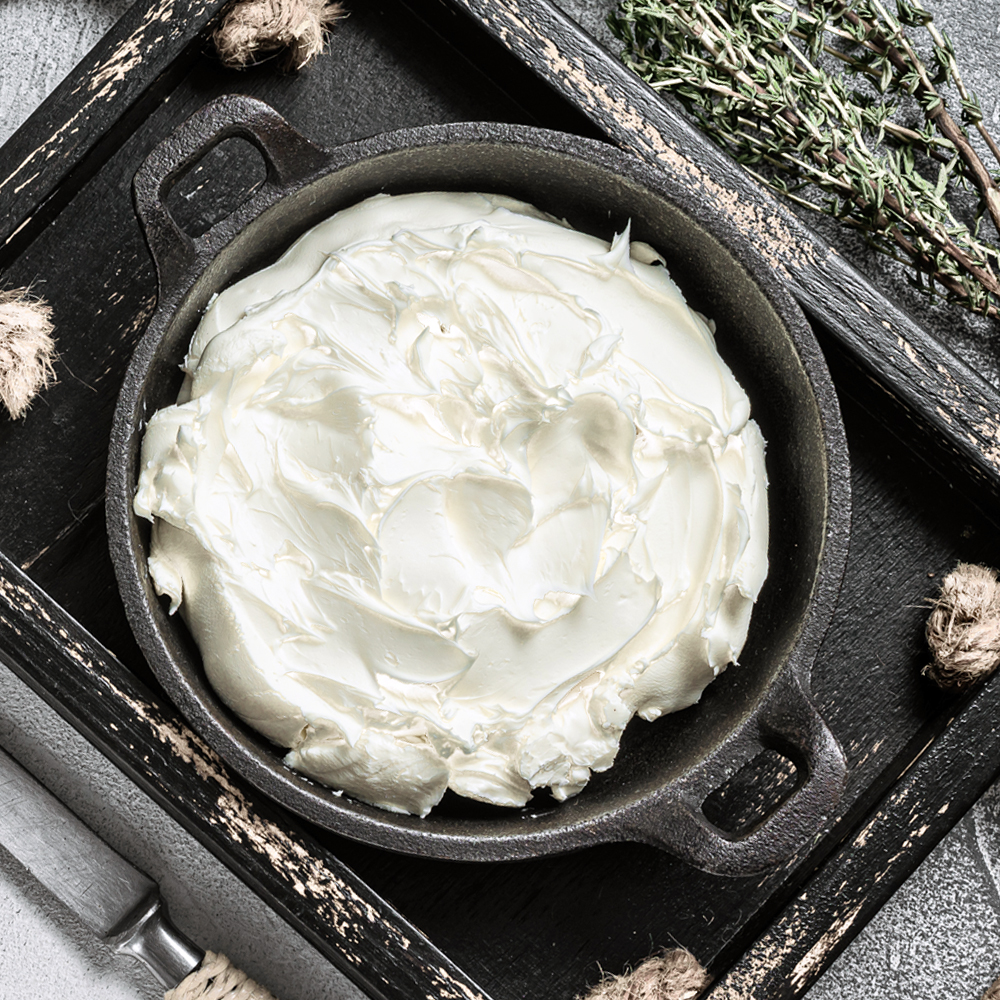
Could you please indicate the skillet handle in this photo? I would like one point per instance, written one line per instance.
(290, 159)
(790, 724)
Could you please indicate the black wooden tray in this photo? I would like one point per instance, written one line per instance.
(542, 928)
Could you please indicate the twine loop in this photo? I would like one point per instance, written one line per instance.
(674, 974)
(217, 979)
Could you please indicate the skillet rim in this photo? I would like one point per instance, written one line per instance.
(367, 823)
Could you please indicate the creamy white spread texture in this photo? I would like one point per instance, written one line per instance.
(450, 493)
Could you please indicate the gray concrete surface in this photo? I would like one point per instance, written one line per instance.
(40, 42)
(936, 940)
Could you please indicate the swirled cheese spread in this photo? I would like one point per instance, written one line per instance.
(450, 493)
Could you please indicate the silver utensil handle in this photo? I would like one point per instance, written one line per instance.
(181, 966)
(155, 941)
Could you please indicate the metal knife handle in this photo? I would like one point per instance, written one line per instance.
(116, 901)
(154, 940)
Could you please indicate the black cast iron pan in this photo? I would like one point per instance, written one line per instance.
(665, 769)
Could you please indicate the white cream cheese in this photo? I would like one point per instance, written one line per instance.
(451, 492)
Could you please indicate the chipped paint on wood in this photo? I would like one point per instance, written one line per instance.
(234, 825)
(814, 961)
(777, 243)
(116, 78)
(790, 935)
(909, 352)
(844, 894)
(106, 74)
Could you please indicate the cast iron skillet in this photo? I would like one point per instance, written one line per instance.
(665, 769)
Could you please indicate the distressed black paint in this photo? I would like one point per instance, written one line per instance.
(71, 135)
(149, 742)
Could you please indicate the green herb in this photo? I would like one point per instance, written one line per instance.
(808, 95)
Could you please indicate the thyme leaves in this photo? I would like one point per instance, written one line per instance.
(807, 95)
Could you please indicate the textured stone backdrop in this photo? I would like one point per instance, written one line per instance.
(936, 940)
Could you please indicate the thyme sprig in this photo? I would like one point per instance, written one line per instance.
(807, 95)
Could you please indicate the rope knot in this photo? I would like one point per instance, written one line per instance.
(672, 975)
(251, 28)
(27, 349)
(963, 630)
(217, 979)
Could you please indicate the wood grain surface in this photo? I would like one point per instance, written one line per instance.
(44, 163)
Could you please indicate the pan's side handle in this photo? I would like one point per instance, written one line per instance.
(290, 158)
(789, 723)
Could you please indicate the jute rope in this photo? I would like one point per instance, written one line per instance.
(992, 992)
(252, 28)
(217, 979)
(27, 349)
(963, 630)
(673, 975)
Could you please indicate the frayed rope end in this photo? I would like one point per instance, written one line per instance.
(673, 975)
(963, 630)
(27, 349)
(251, 28)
